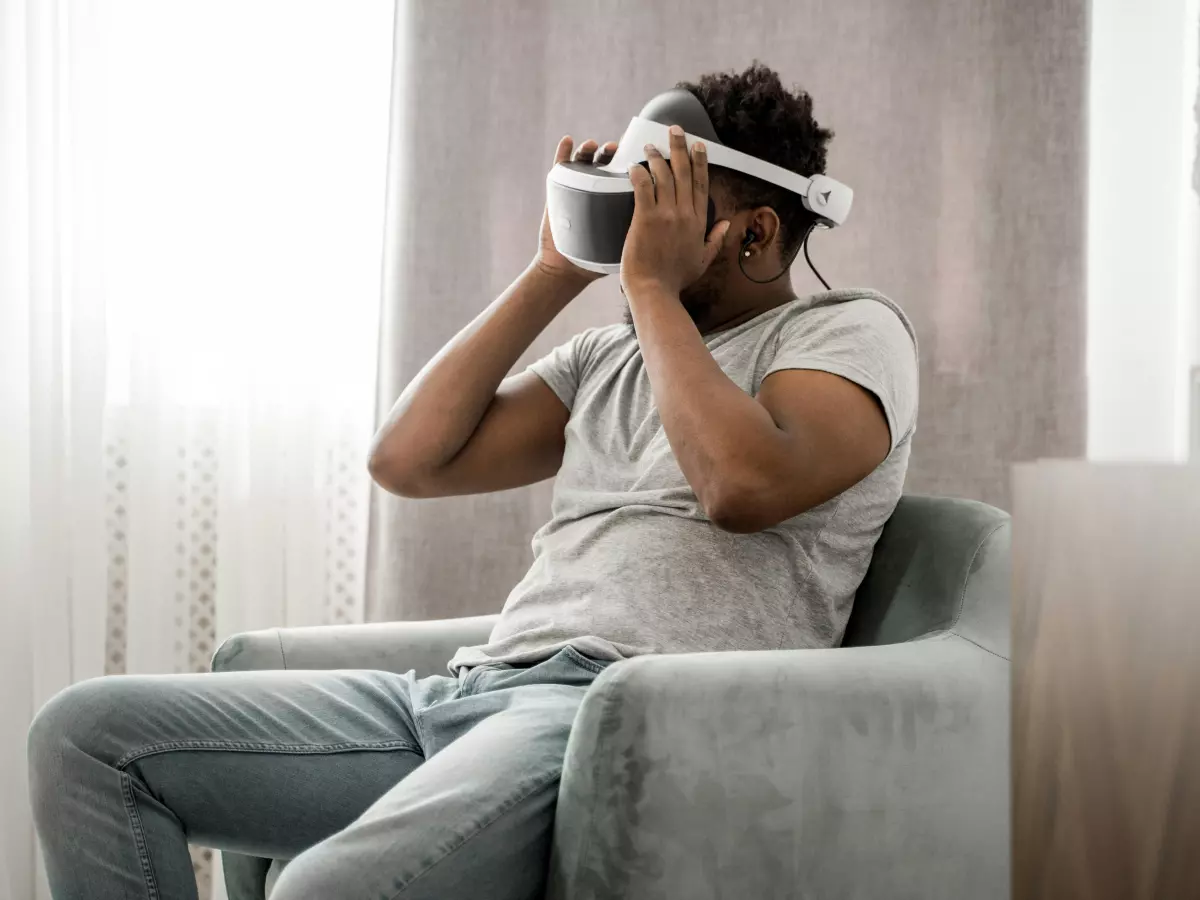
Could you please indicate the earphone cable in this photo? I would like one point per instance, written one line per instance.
(808, 260)
(803, 246)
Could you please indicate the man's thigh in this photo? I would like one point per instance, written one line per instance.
(265, 763)
(473, 821)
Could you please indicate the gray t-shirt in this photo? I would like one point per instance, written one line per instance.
(629, 563)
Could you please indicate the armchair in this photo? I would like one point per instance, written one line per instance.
(875, 770)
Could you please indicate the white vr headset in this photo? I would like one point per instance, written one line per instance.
(590, 207)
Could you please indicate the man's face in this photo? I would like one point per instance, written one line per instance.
(705, 293)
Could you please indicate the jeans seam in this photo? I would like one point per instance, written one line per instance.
(500, 813)
(139, 837)
(464, 687)
(252, 747)
(467, 688)
(582, 661)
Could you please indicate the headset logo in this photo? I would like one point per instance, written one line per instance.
(825, 196)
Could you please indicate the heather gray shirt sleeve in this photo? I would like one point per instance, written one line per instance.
(863, 341)
(562, 369)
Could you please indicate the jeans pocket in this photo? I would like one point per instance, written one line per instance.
(569, 654)
(567, 667)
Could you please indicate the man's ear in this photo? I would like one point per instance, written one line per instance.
(765, 224)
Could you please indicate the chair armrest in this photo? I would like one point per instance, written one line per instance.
(858, 772)
(384, 646)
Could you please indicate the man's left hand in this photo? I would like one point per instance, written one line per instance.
(666, 246)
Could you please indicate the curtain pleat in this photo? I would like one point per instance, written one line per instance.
(960, 126)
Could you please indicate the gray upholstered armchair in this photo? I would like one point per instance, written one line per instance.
(876, 770)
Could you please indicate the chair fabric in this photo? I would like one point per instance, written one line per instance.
(939, 566)
(875, 769)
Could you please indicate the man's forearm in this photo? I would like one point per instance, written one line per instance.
(720, 435)
(439, 410)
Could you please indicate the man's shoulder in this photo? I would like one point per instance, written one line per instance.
(604, 343)
(850, 305)
(845, 313)
(863, 337)
(618, 334)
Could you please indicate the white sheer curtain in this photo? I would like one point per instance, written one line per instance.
(1142, 352)
(191, 207)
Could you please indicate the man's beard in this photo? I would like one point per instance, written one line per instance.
(697, 299)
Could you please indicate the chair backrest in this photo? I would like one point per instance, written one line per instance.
(941, 564)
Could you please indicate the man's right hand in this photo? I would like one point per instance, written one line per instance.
(548, 259)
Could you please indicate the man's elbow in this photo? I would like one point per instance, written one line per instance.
(737, 510)
(736, 522)
(396, 477)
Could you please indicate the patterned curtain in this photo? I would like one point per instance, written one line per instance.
(188, 323)
(194, 528)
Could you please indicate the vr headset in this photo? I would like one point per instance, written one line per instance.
(591, 207)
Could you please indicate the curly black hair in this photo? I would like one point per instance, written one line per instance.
(753, 112)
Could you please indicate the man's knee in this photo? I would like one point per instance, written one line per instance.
(67, 716)
(72, 725)
(318, 874)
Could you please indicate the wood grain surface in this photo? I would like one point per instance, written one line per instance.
(1106, 682)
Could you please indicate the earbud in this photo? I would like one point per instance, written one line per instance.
(747, 241)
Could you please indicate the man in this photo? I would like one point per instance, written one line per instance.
(724, 461)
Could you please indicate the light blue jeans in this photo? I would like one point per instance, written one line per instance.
(376, 786)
